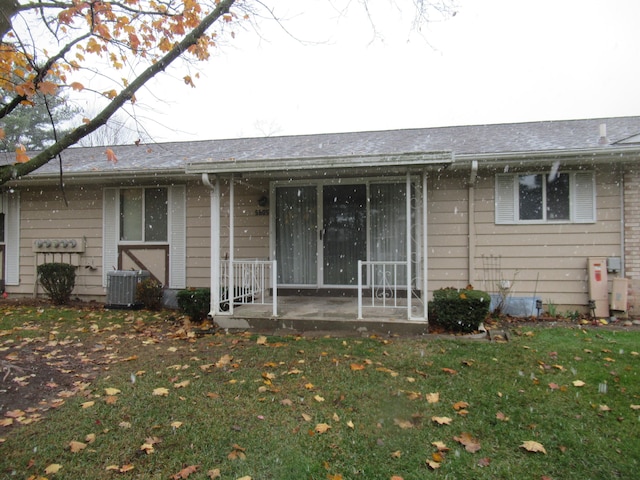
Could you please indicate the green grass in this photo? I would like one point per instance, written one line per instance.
(269, 400)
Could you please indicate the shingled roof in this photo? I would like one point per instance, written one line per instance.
(478, 140)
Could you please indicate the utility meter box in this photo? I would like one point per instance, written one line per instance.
(619, 294)
(598, 289)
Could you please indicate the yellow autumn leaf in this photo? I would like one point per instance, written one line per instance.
(322, 428)
(182, 384)
(532, 446)
(176, 424)
(350, 424)
(160, 391)
(460, 405)
(90, 438)
(76, 447)
(404, 424)
(440, 446)
(635, 407)
(147, 448)
(262, 340)
(432, 464)
(87, 404)
(306, 417)
(578, 383)
(441, 420)
(53, 468)
(318, 398)
(111, 391)
(357, 366)
(433, 397)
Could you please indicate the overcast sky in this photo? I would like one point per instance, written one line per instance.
(495, 61)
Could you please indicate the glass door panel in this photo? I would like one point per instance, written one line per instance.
(297, 235)
(344, 236)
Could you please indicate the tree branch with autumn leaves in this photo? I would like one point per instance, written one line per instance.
(158, 33)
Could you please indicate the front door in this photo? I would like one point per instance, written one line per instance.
(344, 233)
(321, 231)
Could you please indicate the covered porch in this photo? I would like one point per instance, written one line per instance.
(354, 224)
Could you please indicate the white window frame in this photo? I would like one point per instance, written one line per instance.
(582, 198)
(144, 220)
(176, 235)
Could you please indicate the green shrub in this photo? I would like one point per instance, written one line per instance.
(459, 310)
(149, 294)
(58, 280)
(195, 303)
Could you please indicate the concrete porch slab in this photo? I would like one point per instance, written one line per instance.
(320, 314)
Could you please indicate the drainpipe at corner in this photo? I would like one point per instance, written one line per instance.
(473, 176)
(214, 188)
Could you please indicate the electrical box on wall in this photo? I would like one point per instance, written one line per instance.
(614, 264)
(598, 289)
(60, 245)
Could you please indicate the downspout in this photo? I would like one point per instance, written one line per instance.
(214, 308)
(473, 176)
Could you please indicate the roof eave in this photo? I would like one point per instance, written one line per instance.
(333, 163)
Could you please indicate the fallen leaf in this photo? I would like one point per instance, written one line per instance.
(350, 424)
(440, 446)
(126, 468)
(76, 447)
(470, 444)
(182, 384)
(635, 407)
(318, 398)
(53, 468)
(460, 405)
(396, 454)
(214, 473)
(322, 428)
(87, 404)
(441, 420)
(161, 392)
(185, 472)
(502, 417)
(484, 462)
(578, 383)
(433, 397)
(111, 391)
(357, 366)
(532, 446)
(176, 424)
(90, 438)
(433, 465)
(450, 371)
(404, 424)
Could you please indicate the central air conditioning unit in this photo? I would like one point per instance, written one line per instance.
(121, 288)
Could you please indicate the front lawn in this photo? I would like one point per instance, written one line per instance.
(145, 398)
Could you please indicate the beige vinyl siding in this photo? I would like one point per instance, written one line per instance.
(550, 259)
(251, 238)
(43, 215)
(447, 221)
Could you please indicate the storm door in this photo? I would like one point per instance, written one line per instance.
(344, 233)
(322, 230)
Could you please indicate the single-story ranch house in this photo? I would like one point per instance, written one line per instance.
(542, 210)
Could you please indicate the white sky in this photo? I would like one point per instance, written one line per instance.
(495, 61)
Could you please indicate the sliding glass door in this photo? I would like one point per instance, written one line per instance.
(322, 230)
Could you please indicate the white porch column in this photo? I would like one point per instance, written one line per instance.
(231, 286)
(408, 204)
(425, 251)
(214, 189)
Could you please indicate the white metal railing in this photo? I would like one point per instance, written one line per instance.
(384, 280)
(252, 282)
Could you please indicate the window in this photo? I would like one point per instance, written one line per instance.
(545, 197)
(143, 214)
